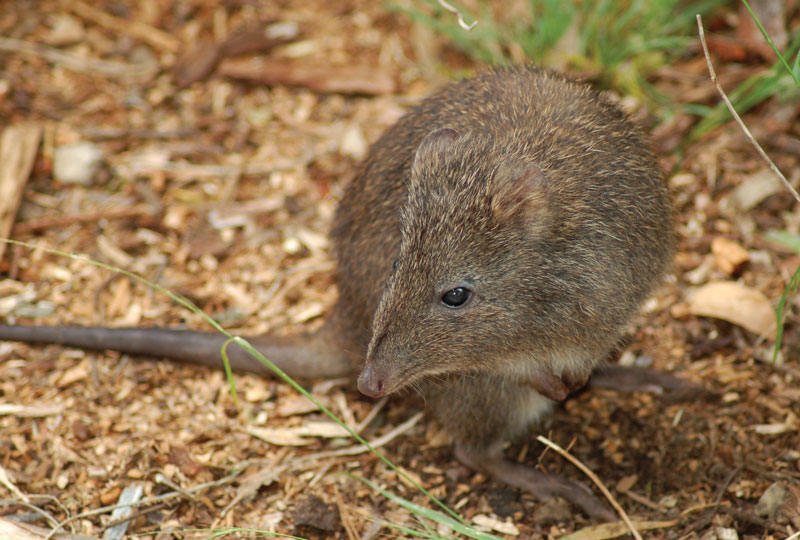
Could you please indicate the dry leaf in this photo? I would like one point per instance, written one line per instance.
(735, 303)
(729, 256)
(279, 436)
(411, 474)
(613, 530)
(626, 483)
(297, 436)
(751, 191)
(492, 523)
(297, 404)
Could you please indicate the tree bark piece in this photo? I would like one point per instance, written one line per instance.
(18, 147)
(323, 79)
(14, 530)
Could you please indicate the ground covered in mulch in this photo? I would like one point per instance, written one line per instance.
(227, 132)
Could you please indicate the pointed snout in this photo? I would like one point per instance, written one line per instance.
(371, 383)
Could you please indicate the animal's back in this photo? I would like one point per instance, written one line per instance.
(575, 136)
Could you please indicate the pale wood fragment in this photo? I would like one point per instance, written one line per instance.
(13, 530)
(154, 37)
(324, 79)
(18, 146)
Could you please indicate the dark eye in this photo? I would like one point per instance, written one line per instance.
(394, 266)
(456, 297)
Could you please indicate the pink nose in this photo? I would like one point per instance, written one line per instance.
(370, 383)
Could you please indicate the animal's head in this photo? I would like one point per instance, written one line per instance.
(464, 289)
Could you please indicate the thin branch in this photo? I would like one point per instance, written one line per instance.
(76, 63)
(6, 481)
(154, 37)
(461, 22)
(150, 500)
(736, 116)
(360, 448)
(594, 478)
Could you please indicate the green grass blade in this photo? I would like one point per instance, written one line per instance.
(226, 363)
(790, 290)
(253, 352)
(433, 515)
(791, 242)
(788, 240)
(772, 44)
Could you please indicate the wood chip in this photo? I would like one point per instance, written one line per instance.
(129, 495)
(790, 424)
(18, 147)
(196, 64)
(729, 256)
(323, 79)
(485, 522)
(15, 530)
(73, 375)
(144, 32)
(29, 411)
(261, 38)
(626, 483)
(297, 404)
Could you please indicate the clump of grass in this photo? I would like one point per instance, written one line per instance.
(784, 76)
(616, 42)
(781, 81)
(763, 87)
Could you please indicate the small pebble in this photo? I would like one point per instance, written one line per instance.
(77, 163)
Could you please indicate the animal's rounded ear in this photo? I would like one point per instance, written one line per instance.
(518, 189)
(434, 143)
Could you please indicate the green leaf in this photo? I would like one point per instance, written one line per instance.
(786, 239)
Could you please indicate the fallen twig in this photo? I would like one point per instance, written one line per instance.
(18, 148)
(594, 478)
(106, 133)
(24, 227)
(319, 78)
(184, 170)
(25, 531)
(6, 481)
(360, 448)
(76, 63)
(736, 116)
(144, 32)
(461, 22)
(147, 501)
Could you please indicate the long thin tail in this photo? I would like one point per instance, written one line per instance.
(304, 356)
